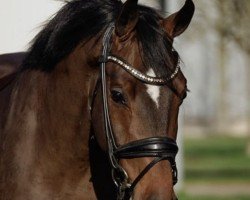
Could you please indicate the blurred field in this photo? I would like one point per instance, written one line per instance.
(186, 197)
(216, 168)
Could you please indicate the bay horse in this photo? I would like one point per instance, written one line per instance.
(92, 112)
(9, 64)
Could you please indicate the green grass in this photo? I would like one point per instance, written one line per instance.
(217, 159)
(186, 197)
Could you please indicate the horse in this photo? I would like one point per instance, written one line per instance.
(92, 111)
(9, 64)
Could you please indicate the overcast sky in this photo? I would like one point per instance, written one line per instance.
(20, 21)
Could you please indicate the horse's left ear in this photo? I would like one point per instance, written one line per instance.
(178, 22)
(127, 19)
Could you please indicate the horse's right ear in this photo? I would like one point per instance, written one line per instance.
(178, 22)
(127, 19)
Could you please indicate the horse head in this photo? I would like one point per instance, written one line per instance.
(139, 109)
(103, 68)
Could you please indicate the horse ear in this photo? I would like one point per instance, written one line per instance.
(127, 19)
(178, 22)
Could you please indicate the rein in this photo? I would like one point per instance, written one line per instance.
(159, 148)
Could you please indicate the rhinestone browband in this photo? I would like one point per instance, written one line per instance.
(143, 77)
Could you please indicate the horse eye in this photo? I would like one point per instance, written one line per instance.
(118, 97)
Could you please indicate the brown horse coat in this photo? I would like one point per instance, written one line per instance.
(53, 107)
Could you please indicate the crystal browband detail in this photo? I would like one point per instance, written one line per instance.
(141, 76)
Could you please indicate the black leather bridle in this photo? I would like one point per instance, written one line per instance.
(159, 148)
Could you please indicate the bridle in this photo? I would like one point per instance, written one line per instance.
(159, 148)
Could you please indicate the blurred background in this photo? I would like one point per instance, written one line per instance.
(214, 135)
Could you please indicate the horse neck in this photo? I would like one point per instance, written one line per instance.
(48, 123)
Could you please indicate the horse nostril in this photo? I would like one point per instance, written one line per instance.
(154, 197)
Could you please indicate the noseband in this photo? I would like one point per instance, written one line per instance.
(159, 148)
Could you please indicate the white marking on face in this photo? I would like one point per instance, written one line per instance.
(152, 90)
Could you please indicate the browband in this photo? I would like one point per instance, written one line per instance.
(141, 76)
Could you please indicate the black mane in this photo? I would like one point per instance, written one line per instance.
(79, 20)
